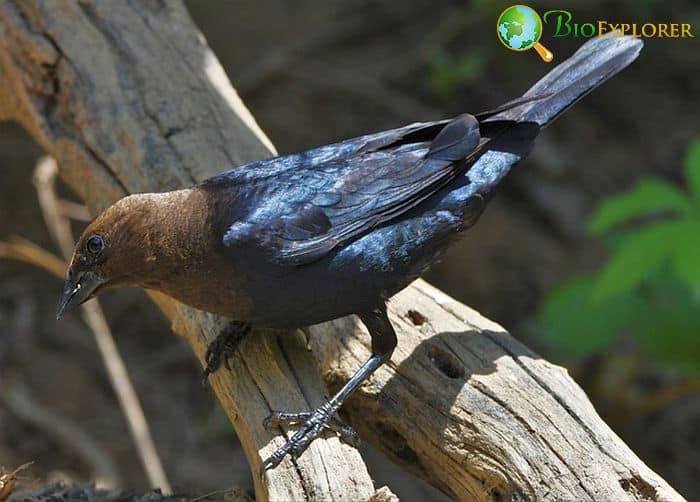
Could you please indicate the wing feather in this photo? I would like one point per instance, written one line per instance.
(313, 206)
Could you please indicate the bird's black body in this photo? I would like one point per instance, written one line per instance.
(351, 224)
(310, 237)
(339, 229)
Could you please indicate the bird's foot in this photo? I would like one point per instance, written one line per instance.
(312, 424)
(224, 347)
(333, 423)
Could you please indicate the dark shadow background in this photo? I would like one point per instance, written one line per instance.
(315, 71)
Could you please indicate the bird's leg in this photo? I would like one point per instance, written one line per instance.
(313, 423)
(224, 347)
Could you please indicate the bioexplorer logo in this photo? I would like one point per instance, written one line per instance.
(520, 28)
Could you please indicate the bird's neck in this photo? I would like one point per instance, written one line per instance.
(177, 237)
(182, 257)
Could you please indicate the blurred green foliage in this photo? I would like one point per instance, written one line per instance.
(649, 287)
(447, 72)
(643, 8)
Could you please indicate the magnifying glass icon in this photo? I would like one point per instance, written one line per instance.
(519, 28)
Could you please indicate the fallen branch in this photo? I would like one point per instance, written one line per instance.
(59, 226)
(20, 249)
(173, 118)
(28, 252)
(128, 98)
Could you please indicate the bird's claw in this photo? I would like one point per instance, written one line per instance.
(312, 424)
(346, 433)
(296, 445)
(223, 348)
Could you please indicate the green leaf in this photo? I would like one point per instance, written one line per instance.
(637, 256)
(686, 255)
(647, 197)
(692, 168)
(669, 334)
(573, 325)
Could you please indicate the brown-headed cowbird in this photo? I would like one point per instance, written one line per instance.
(305, 238)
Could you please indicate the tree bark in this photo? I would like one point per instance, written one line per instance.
(128, 98)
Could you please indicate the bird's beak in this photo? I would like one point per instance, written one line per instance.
(78, 289)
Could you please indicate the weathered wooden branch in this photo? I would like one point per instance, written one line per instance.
(128, 98)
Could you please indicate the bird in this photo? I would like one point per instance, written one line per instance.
(300, 239)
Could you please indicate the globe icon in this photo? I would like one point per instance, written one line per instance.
(519, 28)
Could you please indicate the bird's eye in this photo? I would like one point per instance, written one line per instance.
(95, 245)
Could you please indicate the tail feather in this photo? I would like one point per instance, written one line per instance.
(512, 129)
(509, 105)
(595, 62)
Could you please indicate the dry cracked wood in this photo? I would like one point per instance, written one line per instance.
(128, 98)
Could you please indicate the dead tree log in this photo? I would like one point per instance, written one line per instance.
(128, 98)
